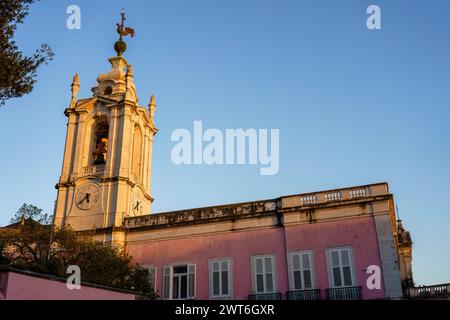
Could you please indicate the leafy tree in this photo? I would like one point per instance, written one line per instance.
(29, 211)
(26, 244)
(139, 281)
(17, 71)
(32, 245)
(3, 259)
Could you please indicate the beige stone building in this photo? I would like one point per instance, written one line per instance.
(107, 159)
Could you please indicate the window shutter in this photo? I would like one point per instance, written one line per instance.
(307, 270)
(191, 281)
(225, 278)
(152, 272)
(340, 265)
(215, 278)
(264, 275)
(295, 273)
(259, 275)
(167, 292)
(269, 275)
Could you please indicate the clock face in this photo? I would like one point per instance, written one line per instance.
(87, 196)
(137, 205)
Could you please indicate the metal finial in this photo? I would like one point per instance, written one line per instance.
(120, 46)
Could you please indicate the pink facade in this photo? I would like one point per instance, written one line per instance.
(22, 286)
(357, 233)
(337, 244)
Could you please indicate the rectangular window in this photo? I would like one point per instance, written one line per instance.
(263, 269)
(179, 282)
(301, 270)
(340, 267)
(220, 279)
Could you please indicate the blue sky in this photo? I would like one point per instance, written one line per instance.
(353, 106)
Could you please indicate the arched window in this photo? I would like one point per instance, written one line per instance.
(137, 153)
(100, 143)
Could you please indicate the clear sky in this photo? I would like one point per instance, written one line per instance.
(353, 106)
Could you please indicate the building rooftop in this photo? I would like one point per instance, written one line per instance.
(332, 197)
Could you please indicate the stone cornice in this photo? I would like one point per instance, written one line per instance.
(234, 212)
(231, 211)
(336, 203)
(105, 179)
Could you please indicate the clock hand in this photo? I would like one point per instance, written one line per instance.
(84, 199)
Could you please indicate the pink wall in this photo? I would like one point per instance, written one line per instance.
(359, 233)
(19, 286)
(240, 246)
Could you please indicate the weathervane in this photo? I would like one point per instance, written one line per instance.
(120, 46)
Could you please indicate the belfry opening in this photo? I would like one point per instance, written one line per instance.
(101, 143)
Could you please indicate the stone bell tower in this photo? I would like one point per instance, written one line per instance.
(106, 168)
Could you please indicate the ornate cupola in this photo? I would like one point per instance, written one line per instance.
(118, 82)
(106, 168)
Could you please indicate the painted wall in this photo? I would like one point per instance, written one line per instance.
(359, 233)
(17, 286)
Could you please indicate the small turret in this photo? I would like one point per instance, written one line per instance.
(152, 106)
(130, 90)
(74, 88)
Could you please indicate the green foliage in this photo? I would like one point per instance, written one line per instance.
(28, 211)
(139, 281)
(3, 259)
(41, 248)
(17, 71)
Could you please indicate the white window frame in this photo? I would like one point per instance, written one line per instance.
(229, 261)
(168, 276)
(330, 266)
(254, 274)
(311, 268)
(151, 269)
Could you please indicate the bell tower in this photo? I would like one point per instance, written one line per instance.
(106, 169)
